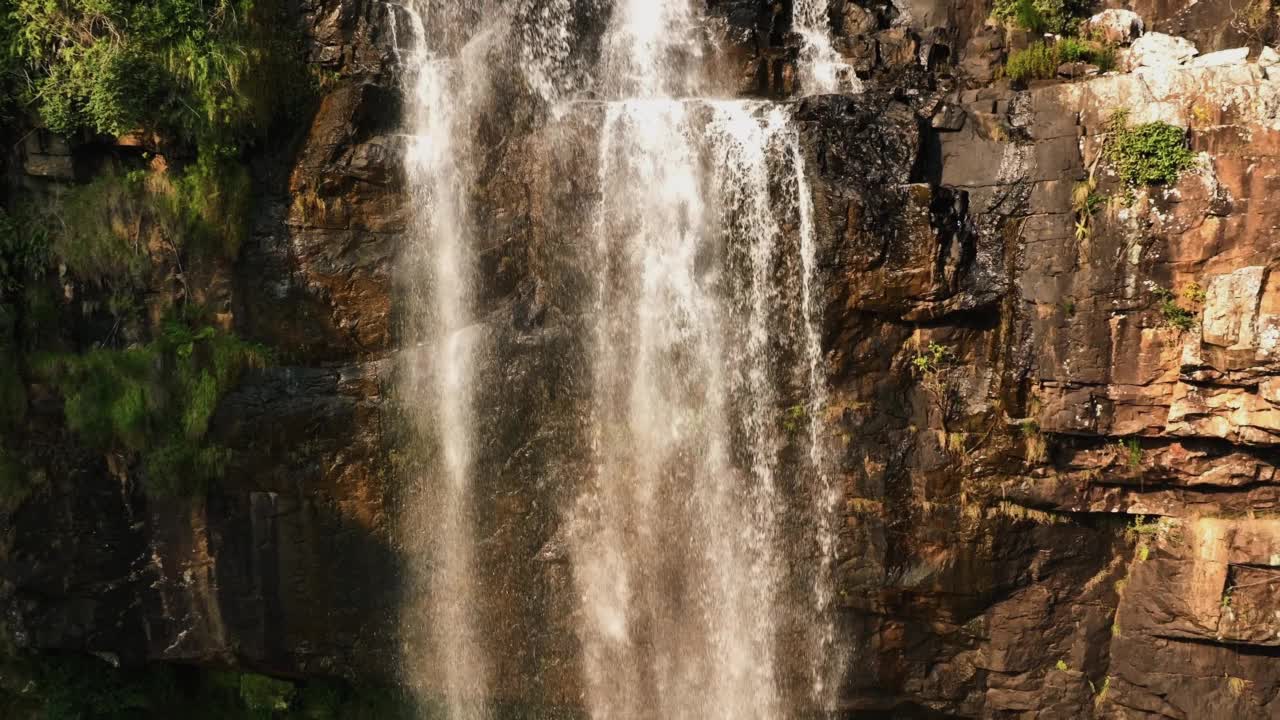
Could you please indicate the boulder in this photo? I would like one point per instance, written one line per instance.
(1158, 50)
(1114, 26)
(1235, 56)
(1268, 57)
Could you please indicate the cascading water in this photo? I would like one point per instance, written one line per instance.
(701, 541)
(443, 654)
(682, 547)
(822, 69)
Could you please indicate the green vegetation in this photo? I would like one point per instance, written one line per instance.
(1042, 16)
(78, 687)
(1145, 532)
(933, 359)
(1154, 153)
(1175, 315)
(156, 400)
(795, 419)
(198, 70)
(1040, 60)
(1131, 450)
(102, 231)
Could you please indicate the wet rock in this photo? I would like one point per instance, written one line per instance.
(948, 117)
(1114, 26)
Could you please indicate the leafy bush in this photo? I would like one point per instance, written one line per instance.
(201, 69)
(1042, 16)
(1152, 153)
(1040, 61)
(156, 400)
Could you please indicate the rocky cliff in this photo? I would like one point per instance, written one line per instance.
(1053, 392)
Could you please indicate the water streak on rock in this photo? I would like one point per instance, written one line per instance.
(443, 655)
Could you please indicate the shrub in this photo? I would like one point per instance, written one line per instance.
(1153, 153)
(1173, 314)
(156, 400)
(1042, 16)
(1041, 60)
(1038, 62)
(198, 68)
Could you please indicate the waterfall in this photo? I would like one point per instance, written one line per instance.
(704, 312)
(701, 539)
(822, 69)
(443, 656)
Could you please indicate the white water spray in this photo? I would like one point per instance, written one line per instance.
(443, 655)
(822, 69)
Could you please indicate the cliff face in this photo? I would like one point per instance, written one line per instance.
(1055, 416)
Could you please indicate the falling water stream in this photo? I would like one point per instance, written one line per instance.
(702, 540)
(438, 268)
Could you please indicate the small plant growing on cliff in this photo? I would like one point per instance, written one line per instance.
(1131, 451)
(1153, 153)
(793, 420)
(931, 365)
(1039, 61)
(1062, 665)
(1084, 203)
(1173, 314)
(933, 359)
(1145, 532)
(1036, 447)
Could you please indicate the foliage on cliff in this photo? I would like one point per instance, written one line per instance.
(1041, 60)
(156, 400)
(199, 70)
(1042, 16)
(1153, 153)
